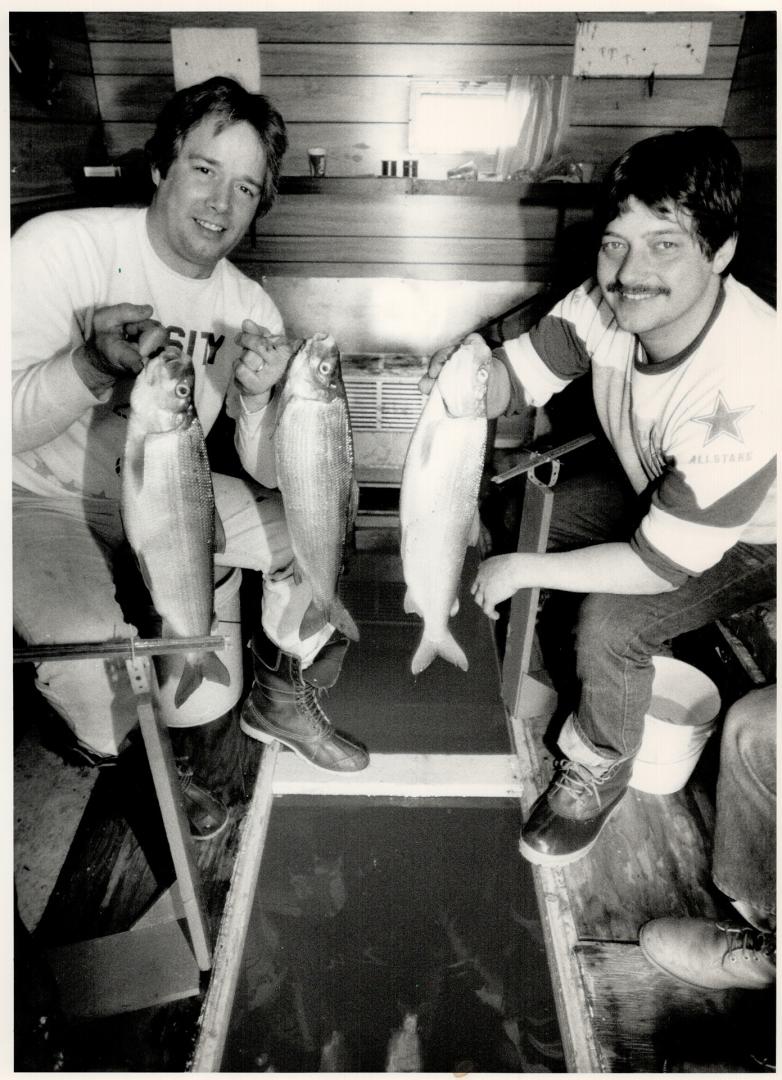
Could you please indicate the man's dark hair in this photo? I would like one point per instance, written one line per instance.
(229, 103)
(697, 170)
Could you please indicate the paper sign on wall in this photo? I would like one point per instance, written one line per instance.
(638, 49)
(200, 53)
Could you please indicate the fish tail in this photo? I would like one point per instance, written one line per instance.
(313, 620)
(447, 647)
(340, 617)
(195, 671)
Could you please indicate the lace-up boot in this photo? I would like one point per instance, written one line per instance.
(284, 705)
(712, 955)
(569, 816)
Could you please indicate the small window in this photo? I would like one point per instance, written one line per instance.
(456, 116)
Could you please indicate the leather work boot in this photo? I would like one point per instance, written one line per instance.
(284, 704)
(712, 955)
(569, 816)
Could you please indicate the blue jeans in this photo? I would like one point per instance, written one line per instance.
(617, 635)
(744, 860)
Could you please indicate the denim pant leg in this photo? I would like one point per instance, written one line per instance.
(744, 863)
(617, 636)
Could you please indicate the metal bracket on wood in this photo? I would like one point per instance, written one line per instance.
(137, 653)
(533, 538)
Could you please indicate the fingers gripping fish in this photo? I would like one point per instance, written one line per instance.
(168, 508)
(313, 447)
(438, 506)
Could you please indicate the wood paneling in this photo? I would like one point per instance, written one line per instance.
(751, 120)
(341, 80)
(51, 142)
(399, 251)
(674, 102)
(402, 26)
(46, 158)
(459, 61)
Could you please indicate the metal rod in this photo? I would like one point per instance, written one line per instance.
(127, 648)
(532, 458)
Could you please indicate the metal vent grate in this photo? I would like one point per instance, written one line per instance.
(383, 404)
(362, 403)
(400, 405)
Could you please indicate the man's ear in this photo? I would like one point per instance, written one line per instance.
(724, 255)
(155, 173)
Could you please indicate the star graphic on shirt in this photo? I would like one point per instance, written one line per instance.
(723, 421)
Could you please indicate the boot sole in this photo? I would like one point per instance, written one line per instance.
(265, 737)
(540, 858)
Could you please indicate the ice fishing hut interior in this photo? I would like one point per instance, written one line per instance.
(441, 173)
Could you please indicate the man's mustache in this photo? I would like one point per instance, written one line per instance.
(618, 287)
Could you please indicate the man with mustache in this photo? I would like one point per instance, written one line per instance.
(679, 528)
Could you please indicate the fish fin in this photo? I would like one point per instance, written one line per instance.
(340, 617)
(353, 504)
(219, 533)
(475, 530)
(297, 574)
(312, 621)
(446, 647)
(192, 677)
(215, 670)
(454, 607)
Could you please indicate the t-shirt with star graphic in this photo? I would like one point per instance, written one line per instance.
(696, 431)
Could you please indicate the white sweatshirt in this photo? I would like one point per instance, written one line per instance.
(64, 265)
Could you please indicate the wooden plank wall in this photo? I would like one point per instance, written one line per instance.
(751, 120)
(51, 143)
(341, 80)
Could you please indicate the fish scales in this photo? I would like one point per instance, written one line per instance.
(315, 471)
(168, 509)
(439, 505)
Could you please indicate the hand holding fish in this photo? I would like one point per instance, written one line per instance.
(451, 387)
(262, 364)
(123, 335)
(497, 579)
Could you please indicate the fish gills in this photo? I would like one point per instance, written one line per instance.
(314, 459)
(438, 507)
(168, 512)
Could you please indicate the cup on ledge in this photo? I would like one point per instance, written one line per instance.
(317, 156)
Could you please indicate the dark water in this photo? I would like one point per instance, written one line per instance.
(370, 918)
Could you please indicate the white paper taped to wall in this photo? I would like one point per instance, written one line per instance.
(199, 53)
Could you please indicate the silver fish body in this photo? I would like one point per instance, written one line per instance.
(168, 508)
(438, 506)
(313, 446)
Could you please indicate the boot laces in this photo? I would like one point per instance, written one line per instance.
(748, 942)
(576, 779)
(185, 775)
(309, 698)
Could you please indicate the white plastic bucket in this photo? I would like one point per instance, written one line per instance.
(211, 700)
(682, 715)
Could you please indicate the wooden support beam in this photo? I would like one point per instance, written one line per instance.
(416, 776)
(533, 536)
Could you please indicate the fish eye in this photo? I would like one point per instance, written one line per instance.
(324, 367)
(182, 390)
(483, 374)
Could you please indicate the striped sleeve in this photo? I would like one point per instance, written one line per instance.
(559, 348)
